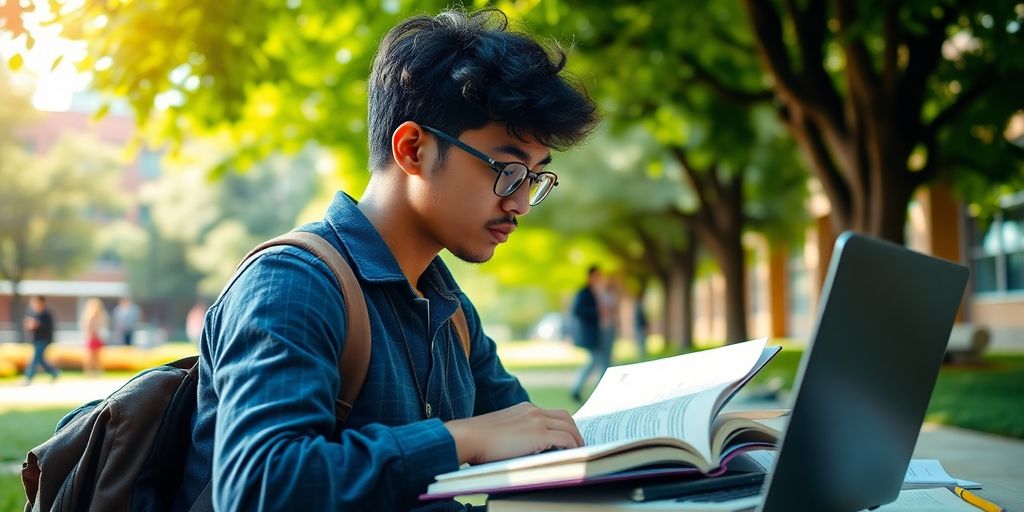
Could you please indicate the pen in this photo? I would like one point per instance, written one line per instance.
(977, 501)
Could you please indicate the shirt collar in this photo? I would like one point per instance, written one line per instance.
(371, 257)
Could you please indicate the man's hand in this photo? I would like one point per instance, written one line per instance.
(521, 429)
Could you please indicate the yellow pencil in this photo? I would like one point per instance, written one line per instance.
(977, 501)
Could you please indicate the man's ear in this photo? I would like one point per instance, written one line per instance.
(409, 144)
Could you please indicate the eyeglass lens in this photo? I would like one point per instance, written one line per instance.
(512, 176)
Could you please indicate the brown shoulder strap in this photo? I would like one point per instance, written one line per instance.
(462, 328)
(355, 357)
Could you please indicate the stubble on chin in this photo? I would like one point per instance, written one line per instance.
(471, 257)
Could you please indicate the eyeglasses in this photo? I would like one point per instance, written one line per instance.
(510, 174)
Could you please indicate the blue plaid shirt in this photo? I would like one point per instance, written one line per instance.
(269, 355)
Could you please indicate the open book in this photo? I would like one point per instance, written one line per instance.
(658, 417)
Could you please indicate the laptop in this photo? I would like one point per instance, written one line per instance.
(864, 382)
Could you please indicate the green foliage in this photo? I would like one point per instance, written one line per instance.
(51, 205)
(197, 228)
(266, 75)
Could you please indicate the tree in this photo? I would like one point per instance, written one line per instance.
(50, 205)
(268, 75)
(620, 188)
(197, 228)
(735, 161)
(885, 97)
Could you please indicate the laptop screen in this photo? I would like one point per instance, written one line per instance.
(866, 377)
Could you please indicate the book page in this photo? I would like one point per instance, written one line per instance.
(634, 385)
(675, 396)
(683, 417)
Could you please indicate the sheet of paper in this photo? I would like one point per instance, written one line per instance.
(929, 500)
(921, 473)
(929, 473)
(636, 385)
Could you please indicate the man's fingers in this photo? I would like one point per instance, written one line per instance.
(567, 427)
(561, 439)
(561, 420)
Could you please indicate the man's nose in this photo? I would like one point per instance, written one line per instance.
(518, 203)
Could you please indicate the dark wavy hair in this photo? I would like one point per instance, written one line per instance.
(458, 71)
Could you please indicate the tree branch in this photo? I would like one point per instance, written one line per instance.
(697, 179)
(771, 48)
(729, 40)
(810, 34)
(858, 61)
(983, 81)
(836, 188)
(890, 56)
(735, 95)
(651, 252)
(924, 53)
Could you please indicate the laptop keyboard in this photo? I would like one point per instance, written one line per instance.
(723, 494)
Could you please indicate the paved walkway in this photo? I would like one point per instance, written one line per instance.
(66, 391)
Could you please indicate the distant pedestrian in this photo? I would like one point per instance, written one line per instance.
(608, 306)
(194, 321)
(92, 324)
(640, 326)
(39, 323)
(587, 329)
(126, 319)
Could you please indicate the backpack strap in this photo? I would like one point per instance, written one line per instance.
(461, 328)
(355, 357)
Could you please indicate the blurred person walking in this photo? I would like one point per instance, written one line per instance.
(640, 326)
(194, 321)
(39, 323)
(126, 319)
(587, 329)
(93, 322)
(608, 307)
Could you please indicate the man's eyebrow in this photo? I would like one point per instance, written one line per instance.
(520, 154)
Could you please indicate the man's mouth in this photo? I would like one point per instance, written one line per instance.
(501, 232)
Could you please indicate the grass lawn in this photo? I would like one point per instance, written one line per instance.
(21, 429)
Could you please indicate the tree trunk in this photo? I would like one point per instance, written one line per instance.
(687, 262)
(859, 140)
(718, 223)
(734, 271)
(17, 311)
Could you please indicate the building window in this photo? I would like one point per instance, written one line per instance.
(997, 252)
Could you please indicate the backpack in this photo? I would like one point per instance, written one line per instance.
(127, 452)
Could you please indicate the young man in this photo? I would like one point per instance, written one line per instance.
(463, 116)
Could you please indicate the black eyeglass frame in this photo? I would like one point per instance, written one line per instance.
(498, 167)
